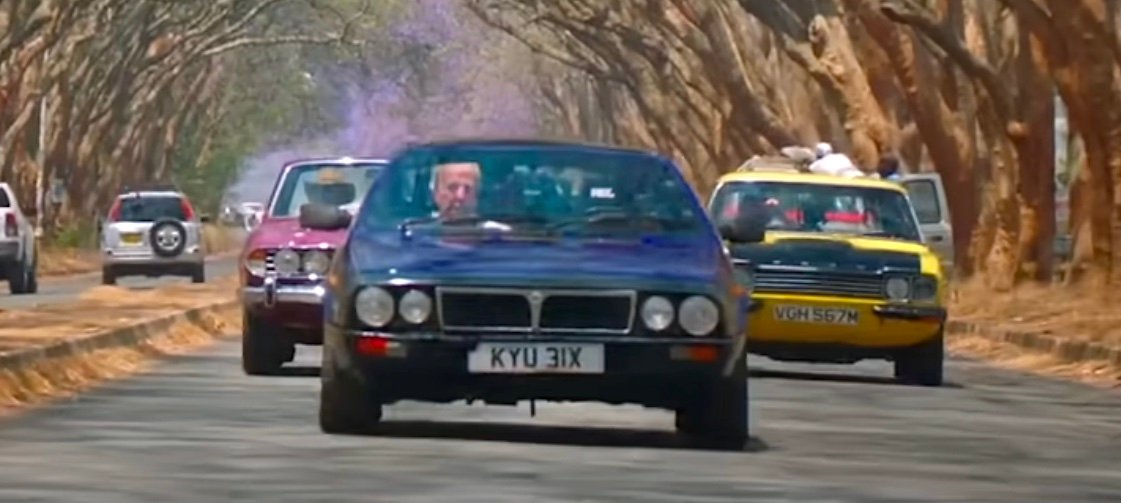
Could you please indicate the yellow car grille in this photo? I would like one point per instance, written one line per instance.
(862, 285)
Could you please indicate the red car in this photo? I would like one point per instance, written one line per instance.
(283, 264)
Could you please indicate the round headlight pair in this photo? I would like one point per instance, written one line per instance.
(901, 289)
(288, 261)
(376, 307)
(697, 315)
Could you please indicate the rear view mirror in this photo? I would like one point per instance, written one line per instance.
(323, 217)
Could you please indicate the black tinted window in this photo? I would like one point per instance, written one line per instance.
(150, 209)
(4, 201)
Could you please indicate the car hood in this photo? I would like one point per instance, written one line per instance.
(277, 232)
(543, 262)
(837, 252)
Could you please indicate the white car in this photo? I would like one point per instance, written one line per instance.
(18, 250)
(154, 232)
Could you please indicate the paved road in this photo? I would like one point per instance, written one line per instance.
(67, 288)
(196, 430)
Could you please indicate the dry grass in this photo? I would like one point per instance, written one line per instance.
(1062, 312)
(66, 377)
(1068, 312)
(98, 310)
(1011, 356)
(54, 261)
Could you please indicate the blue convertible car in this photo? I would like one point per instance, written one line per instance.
(503, 271)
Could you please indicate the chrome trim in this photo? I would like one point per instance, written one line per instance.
(606, 339)
(274, 295)
(536, 298)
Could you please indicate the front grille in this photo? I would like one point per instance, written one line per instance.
(863, 285)
(485, 311)
(576, 312)
(512, 310)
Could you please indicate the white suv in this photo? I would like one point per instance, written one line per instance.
(18, 248)
(152, 233)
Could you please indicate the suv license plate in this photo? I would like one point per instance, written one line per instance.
(536, 358)
(130, 238)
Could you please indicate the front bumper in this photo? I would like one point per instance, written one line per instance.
(881, 330)
(663, 373)
(288, 306)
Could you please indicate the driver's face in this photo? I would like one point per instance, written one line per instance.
(456, 191)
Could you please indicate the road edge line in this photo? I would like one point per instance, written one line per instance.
(1072, 351)
(131, 335)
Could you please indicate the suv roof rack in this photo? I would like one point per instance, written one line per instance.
(792, 159)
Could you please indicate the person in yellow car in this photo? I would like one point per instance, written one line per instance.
(841, 274)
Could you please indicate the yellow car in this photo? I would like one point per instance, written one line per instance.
(840, 269)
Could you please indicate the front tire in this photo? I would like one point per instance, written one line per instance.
(718, 416)
(346, 406)
(922, 364)
(263, 348)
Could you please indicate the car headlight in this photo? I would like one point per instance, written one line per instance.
(698, 315)
(657, 313)
(897, 288)
(286, 261)
(415, 307)
(925, 288)
(316, 262)
(374, 306)
(255, 262)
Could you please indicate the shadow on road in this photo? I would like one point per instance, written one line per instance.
(297, 371)
(548, 435)
(834, 377)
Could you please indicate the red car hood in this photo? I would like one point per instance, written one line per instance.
(287, 232)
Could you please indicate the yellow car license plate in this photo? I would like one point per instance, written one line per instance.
(816, 315)
(131, 238)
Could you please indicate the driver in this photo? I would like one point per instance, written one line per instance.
(456, 189)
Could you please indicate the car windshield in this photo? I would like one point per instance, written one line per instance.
(336, 184)
(808, 207)
(151, 208)
(562, 191)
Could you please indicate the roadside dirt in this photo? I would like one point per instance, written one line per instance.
(104, 308)
(55, 261)
(1062, 312)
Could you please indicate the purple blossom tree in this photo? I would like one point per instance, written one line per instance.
(443, 74)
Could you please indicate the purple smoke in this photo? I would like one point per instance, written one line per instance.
(465, 83)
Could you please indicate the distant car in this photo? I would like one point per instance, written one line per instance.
(152, 232)
(19, 255)
(503, 271)
(842, 272)
(284, 263)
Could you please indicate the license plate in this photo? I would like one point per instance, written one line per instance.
(536, 358)
(817, 315)
(131, 238)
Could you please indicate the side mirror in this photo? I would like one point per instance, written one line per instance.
(745, 229)
(323, 217)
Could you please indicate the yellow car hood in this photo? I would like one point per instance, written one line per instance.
(818, 245)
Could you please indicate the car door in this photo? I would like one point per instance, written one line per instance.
(928, 196)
